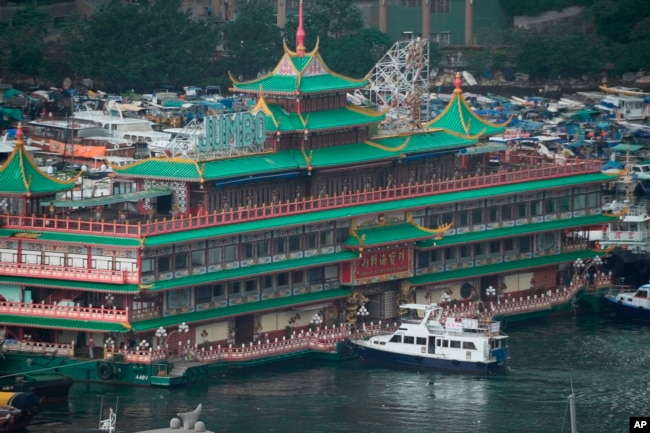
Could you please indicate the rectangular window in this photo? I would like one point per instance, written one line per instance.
(477, 216)
(593, 200)
(247, 250)
(506, 212)
(454, 344)
(147, 265)
(298, 278)
(463, 218)
(198, 258)
(342, 234)
(215, 256)
(493, 214)
(251, 286)
(230, 253)
(495, 247)
(280, 245)
(267, 283)
(522, 210)
(181, 261)
(579, 202)
(295, 243)
(421, 341)
(465, 251)
(164, 264)
(469, 345)
(312, 241)
(326, 238)
(203, 294)
(218, 290)
(523, 244)
(283, 280)
(536, 208)
(235, 288)
(551, 205)
(409, 339)
(316, 276)
(422, 259)
(263, 248)
(564, 204)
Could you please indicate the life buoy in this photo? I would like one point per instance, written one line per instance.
(104, 371)
(117, 146)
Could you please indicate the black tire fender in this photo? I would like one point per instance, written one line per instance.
(104, 371)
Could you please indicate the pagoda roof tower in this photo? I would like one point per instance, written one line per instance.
(21, 176)
(458, 118)
(299, 73)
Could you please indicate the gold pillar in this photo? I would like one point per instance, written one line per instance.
(426, 19)
(383, 16)
(469, 22)
(282, 13)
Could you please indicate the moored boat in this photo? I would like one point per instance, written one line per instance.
(425, 339)
(49, 387)
(16, 410)
(631, 305)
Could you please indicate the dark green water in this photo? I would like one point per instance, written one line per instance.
(608, 362)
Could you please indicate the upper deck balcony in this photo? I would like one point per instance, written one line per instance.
(535, 169)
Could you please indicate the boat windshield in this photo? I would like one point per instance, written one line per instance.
(641, 293)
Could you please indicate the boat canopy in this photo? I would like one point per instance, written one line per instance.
(110, 199)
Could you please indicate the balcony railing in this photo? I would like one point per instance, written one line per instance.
(96, 314)
(33, 270)
(538, 169)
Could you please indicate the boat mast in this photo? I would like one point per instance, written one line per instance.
(572, 410)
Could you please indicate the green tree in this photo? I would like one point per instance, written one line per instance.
(25, 42)
(143, 45)
(335, 18)
(366, 48)
(252, 42)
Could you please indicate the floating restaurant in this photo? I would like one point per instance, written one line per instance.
(289, 224)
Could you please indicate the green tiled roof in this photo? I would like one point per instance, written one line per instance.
(369, 209)
(20, 176)
(459, 118)
(296, 75)
(68, 238)
(499, 268)
(280, 120)
(378, 149)
(387, 148)
(70, 284)
(250, 271)
(235, 310)
(55, 323)
(377, 236)
(515, 231)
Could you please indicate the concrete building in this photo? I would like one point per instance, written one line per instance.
(448, 22)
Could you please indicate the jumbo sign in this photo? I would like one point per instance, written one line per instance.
(233, 130)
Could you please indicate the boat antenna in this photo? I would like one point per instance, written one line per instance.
(571, 400)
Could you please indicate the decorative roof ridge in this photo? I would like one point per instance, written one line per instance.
(366, 110)
(390, 149)
(458, 99)
(25, 160)
(263, 106)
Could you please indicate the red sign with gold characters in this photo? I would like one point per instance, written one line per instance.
(382, 265)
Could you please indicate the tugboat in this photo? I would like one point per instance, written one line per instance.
(423, 340)
(631, 305)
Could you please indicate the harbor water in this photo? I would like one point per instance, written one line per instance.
(605, 360)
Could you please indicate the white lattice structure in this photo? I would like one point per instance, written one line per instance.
(401, 80)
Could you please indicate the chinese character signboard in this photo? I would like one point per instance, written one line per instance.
(375, 266)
